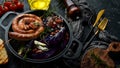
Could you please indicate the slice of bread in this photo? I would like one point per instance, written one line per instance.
(3, 53)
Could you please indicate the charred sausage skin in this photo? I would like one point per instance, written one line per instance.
(26, 27)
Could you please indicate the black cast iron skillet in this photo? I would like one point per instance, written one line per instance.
(6, 21)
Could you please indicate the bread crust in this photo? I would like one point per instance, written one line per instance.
(3, 53)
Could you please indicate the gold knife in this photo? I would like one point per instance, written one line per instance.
(99, 15)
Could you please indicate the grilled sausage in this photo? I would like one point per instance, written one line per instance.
(26, 27)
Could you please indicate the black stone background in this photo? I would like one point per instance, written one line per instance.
(112, 12)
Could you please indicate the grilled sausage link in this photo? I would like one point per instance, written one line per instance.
(26, 27)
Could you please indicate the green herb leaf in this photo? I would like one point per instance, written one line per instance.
(36, 24)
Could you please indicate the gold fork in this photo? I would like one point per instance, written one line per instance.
(101, 27)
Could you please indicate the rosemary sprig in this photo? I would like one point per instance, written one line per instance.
(20, 51)
(48, 12)
(25, 55)
(45, 32)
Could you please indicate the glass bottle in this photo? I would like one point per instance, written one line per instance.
(39, 4)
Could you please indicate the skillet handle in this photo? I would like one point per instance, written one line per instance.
(6, 19)
(74, 51)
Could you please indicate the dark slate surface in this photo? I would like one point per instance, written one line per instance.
(112, 12)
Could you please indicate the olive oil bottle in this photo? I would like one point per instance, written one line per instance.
(39, 4)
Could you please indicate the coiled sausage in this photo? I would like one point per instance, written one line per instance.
(26, 27)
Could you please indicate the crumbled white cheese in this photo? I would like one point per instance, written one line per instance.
(39, 43)
(43, 48)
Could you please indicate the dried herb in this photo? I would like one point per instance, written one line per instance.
(98, 61)
(96, 58)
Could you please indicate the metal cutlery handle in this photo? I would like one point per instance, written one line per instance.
(101, 27)
(99, 15)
